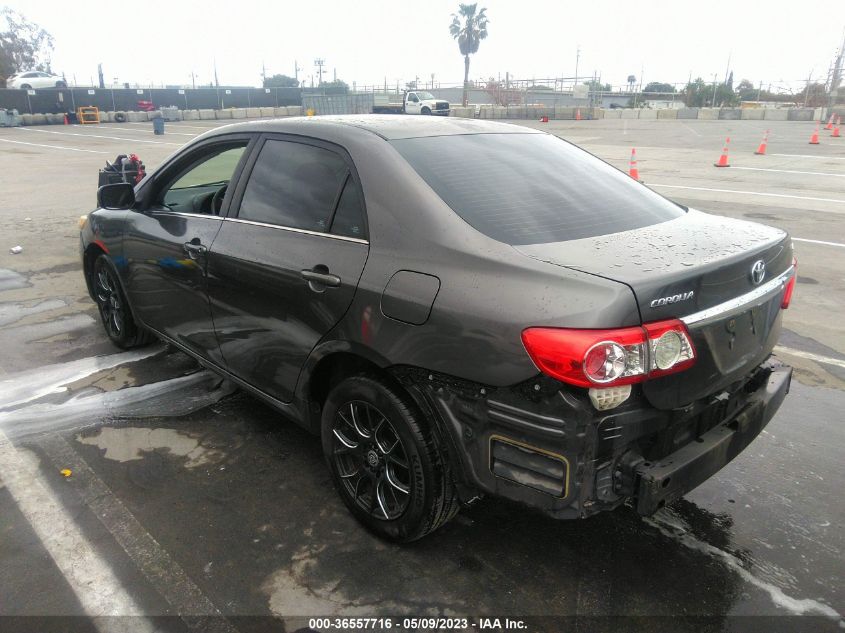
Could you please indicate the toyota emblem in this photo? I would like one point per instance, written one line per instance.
(758, 272)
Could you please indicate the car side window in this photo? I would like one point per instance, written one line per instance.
(349, 216)
(293, 185)
(202, 187)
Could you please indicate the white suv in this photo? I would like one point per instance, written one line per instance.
(35, 79)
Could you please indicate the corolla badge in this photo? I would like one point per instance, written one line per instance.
(758, 272)
(665, 301)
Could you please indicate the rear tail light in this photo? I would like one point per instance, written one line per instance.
(605, 358)
(790, 285)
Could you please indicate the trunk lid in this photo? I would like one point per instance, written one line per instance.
(697, 268)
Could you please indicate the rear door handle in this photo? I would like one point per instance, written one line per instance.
(194, 248)
(317, 278)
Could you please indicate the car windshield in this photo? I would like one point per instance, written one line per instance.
(425, 95)
(532, 188)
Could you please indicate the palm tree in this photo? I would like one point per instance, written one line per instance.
(469, 35)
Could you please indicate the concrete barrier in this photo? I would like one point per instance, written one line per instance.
(136, 117)
(753, 114)
(39, 119)
(667, 113)
(688, 113)
(630, 113)
(267, 112)
(648, 114)
(295, 110)
(224, 114)
(800, 114)
(190, 115)
(253, 113)
(708, 114)
(55, 119)
(613, 114)
(730, 114)
(776, 114)
(597, 113)
(205, 114)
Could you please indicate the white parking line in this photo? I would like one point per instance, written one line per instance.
(810, 156)
(110, 138)
(130, 129)
(748, 193)
(165, 574)
(801, 239)
(825, 360)
(181, 125)
(70, 149)
(792, 171)
(91, 578)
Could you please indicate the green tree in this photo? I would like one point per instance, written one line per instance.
(697, 93)
(632, 79)
(280, 81)
(595, 86)
(336, 87)
(23, 45)
(656, 86)
(469, 27)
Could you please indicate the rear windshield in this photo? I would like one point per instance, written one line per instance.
(532, 188)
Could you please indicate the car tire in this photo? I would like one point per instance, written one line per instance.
(119, 117)
(386, 461)
(26, 87)
(426, 111)
(115, 313)
(61, 85)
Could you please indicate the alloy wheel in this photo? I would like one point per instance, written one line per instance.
(109, 300)
(371, 460)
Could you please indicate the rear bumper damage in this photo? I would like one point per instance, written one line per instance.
(542, 443)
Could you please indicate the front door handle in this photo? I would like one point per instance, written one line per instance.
(319, 278)
(194, 248)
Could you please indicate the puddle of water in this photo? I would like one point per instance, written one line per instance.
(130, 443)
(674, 527)
(9, 280)
(168, 398)
(26, 386)
(13, 312)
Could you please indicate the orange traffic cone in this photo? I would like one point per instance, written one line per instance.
(723, 159)
(836, 128)
(633, 172)
(66, 122)
(829, 125)
(814, 139)
(578, 114)
(762, 149)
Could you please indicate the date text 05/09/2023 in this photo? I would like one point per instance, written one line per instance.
(416, 624)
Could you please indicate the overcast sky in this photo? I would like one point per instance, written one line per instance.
(367, 41)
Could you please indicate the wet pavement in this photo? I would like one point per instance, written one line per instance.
(187, 497)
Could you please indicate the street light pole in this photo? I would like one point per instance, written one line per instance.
(713, 103)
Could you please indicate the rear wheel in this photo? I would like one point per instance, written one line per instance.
(114, 309)
(386, 462)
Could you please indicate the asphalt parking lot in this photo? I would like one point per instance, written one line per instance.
(190, 498)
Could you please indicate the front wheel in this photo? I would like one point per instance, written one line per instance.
(426, 110)
(114, 309)
(386, 463)
(61, 85)
(26, 87)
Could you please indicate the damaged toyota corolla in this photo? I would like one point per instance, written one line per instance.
(458, 308)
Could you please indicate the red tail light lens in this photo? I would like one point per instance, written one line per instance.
(790, 285)
(587, 358)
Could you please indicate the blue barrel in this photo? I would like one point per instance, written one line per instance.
(158, 125)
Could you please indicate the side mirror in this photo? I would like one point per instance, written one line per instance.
(119, 195)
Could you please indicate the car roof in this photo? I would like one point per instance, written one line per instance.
(387, 126)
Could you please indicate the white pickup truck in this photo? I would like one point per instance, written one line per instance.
(413, 102)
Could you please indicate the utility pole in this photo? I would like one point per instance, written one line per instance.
(319, 63)
(836, 75)
(296, 70)
(216, 81)
(193, 79)
(263, 73)
(713, 103)
(577, 59)
(728, 67)
(100, 76)
(334, 74)
(807, 89)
